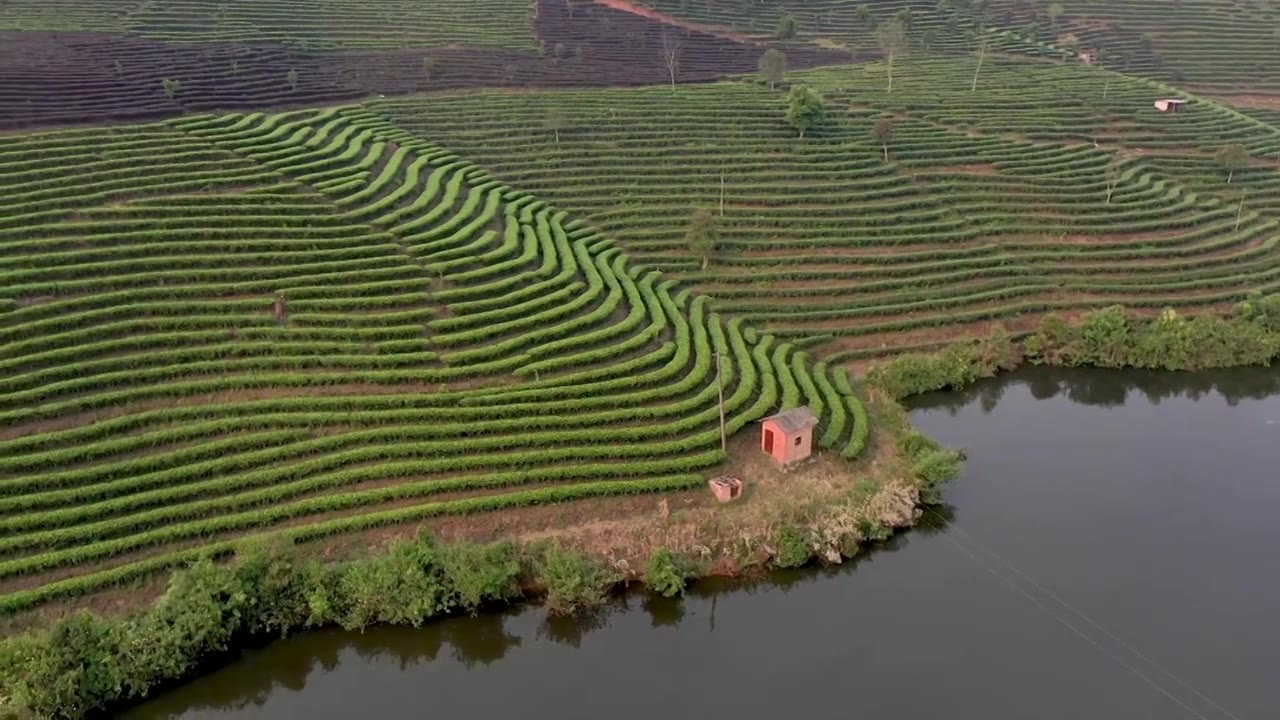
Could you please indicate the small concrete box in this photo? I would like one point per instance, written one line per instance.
(788, 436)
(726, 488)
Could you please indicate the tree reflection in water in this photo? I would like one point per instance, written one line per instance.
(1108, 388)
(662, 611)
(571, 629)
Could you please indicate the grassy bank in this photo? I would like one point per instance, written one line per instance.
(86, 664)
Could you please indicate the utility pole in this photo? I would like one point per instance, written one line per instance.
(720, 387)
(722, 192)
(1239, 211)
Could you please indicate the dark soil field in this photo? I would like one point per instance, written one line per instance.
(49, 78)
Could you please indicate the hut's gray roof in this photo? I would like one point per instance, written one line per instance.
(795, 420)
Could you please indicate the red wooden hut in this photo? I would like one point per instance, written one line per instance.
(788, 436)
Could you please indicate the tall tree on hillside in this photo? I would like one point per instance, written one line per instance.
(671, 56)
(428, 66)
(1240, 209)
(853, 44)
(1070, 44)
(983, 41)
(863, 14)
(892, 37)
(805, 108)
(171, 87)
(1113, 177)
(703, 235)
(292, 79)
(1232, 158)
(773, 66)
(928, 39)
(1054, 12)
(786, 27)
(882, 133)
(555, 122)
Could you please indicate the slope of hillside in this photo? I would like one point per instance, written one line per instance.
(316, 323)
(480, 291)
(95, 69)
(1033, 193)
(301, 24)
(1210, 44)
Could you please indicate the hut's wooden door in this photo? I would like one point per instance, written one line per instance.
(768, 441)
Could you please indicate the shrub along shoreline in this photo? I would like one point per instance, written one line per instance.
(1108, 338)
(86, 663)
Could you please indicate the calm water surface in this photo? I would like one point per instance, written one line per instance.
(1110, 552)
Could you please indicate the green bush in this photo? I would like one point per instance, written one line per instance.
(667, 574)
(480, 574)
(933, 469)
(954, 366)
(793, 548)
(86, 663)
(1103, 338)
(932, 465)
(573, 582)
(1111, 337)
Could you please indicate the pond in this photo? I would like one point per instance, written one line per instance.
(1109, 552)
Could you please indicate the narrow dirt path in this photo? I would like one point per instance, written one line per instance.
(644, 12)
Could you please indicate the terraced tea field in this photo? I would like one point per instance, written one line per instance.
(1209, 44)
(302, 24)
(247, 295)
(1203, 44)
(170, 58)
(994, 204)
(314, 322)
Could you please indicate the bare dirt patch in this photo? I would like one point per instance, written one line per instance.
(1155, 236)
(652, 14)
(1249, 101)
(971, 169)
(726, 536)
